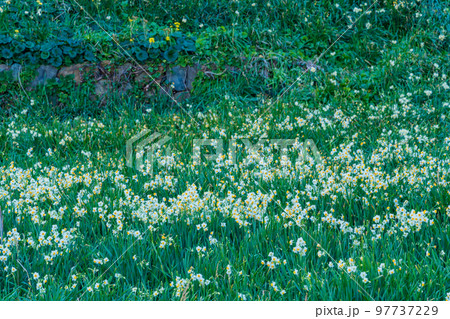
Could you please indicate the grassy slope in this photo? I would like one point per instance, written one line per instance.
(385, 142)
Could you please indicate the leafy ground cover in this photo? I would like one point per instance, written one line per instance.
(366, 82)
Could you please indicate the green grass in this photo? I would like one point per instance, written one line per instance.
(377, 107)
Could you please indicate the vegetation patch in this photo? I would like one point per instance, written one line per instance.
(217, 150)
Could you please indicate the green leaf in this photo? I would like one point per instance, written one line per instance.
(29, 44)
(176, 34)
(171, 54)
(46, 47)
(55, 61)
(5, 39)
(189, 45)
(141, 55)
(18, 47)
(153, 53)
(6, 53)
(89, 55)
(45, 55)
(56, 52)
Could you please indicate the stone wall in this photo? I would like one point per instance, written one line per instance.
(176, 80)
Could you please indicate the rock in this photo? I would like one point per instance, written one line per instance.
(105, 63)
(142, 78)
(122, 70)
(177, 78)
(102, 87)
(182, 77)
(190, 76)
(165, 90)
(150, 92)
(44, 73)
(4, 68)
(181, 96)
(15, 69)
(76, 70)
(124, 88)
(145, 76)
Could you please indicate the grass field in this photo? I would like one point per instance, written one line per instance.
(364, 83)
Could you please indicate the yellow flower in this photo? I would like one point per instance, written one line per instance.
(167, 38)
(151, 40)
